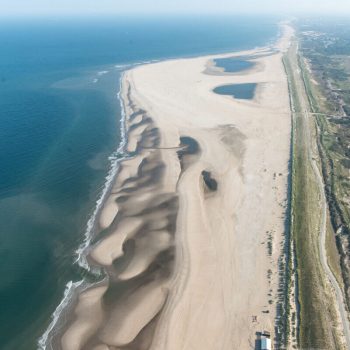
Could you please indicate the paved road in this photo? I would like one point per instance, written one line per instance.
(305, 107)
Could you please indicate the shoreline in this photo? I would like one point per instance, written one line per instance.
(105, 197)
(74, 288)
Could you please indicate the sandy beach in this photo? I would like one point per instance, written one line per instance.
(192, 232)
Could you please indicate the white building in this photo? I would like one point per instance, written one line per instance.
(265, 343)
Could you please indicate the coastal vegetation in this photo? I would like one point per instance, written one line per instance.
(326, 57)
(310, 306)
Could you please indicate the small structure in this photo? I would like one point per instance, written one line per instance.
(265, 341)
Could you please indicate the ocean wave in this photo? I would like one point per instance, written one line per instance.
(68, 294)
(145, 62)
(122, 66)
(131, 65)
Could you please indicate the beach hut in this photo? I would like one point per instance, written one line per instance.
(265, 342)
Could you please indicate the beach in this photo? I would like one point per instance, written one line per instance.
(192, 232)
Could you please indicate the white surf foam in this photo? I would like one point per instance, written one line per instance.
(127, 66)
(114, 159)
(122, 66)
(68, 294)
(102, 72)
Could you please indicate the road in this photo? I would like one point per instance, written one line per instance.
(312, 157)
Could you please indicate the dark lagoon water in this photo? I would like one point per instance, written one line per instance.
(59, 136)
(239, 91)
(233, 64)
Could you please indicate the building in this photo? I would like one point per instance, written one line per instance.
(265, 341)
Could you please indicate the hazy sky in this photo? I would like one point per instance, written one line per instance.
(171, 6)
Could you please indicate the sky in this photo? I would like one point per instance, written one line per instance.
(42, 7)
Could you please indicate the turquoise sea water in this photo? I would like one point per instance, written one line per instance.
(59, 132)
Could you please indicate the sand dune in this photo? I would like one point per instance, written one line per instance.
(90, 303)
(191, 233)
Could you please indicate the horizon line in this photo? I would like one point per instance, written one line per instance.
(60, 14)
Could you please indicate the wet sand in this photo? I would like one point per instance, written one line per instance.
(184, 234)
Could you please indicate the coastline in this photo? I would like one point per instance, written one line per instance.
(106, 210)
(73, 288)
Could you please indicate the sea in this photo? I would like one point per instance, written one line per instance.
(61, 136)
